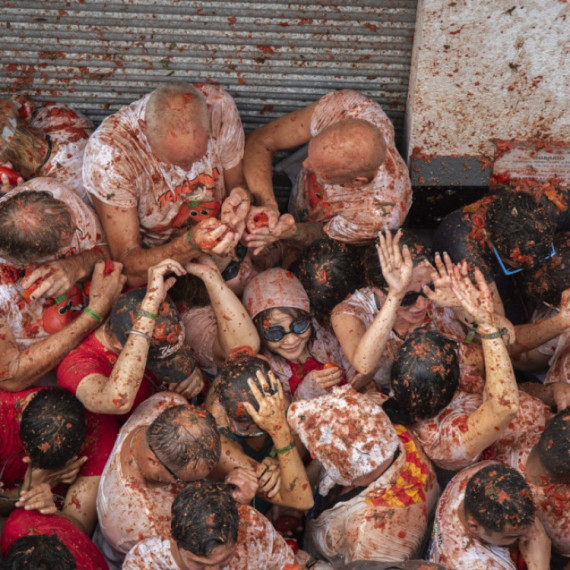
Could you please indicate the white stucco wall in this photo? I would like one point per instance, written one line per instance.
(484, 70)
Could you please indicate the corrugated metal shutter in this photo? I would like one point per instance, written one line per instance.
(273, 57)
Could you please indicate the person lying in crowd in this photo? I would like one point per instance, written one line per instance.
(404, 293)
(376, 488)
(137, 351)
(49, 438)
(49, 242)
(165, 444)
(484, 510)
(353, 183)
(49, 141)
(211, 530)
(162, 170)
(32, 540)
(306, 357)
(249, 406)
(503, 234)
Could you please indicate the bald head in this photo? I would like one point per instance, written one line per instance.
(347, 150)
(177, 123)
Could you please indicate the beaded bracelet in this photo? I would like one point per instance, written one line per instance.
(148, 314)
(92, 313)
(282, 450)
(140, 333)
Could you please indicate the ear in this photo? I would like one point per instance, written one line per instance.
(473, 526)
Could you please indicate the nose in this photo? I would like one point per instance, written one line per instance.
(307, 163)
(421, 302)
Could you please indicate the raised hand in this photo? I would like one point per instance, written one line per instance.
(396, 263)
(442, 294)
(157, 286)
(475, 298)
(106, 287)
(271, 414)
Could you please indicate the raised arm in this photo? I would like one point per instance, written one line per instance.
(294, 490)
(116, 394)
(235, 328)
(501, 403)
(364, 347)
(19, 369)
(289, 131)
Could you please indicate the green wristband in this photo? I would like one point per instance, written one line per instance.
(496, 334)
(148, 314)
(275, 452)
(89, 311)
(190, 240)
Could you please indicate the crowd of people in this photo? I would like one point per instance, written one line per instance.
(191, 378)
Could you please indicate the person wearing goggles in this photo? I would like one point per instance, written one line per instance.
(303, 354)
(404, 293)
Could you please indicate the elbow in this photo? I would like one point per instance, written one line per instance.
(506, 408)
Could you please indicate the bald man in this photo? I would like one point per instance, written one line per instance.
(163, 171)
(353, 183)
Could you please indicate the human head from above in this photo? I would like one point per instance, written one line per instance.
(204, 526)
(498, 505)
(545, 283)
(168, 357)
(184, 445)
(414, 305)
(39, 551)
(279, 307)
(177, 124)
(519, 231)
(21, 144)
(33, 225)
(232, 389)
(329, 270)
(349, 434)
(52, 428)
(425, 374)
(554, 446)
(348, 152)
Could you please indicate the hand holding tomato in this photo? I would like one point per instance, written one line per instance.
(330, 375)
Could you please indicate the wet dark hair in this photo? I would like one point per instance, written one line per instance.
(425, 374)
(32, 225)
(554, 445)
(53, 428)
(296, 314)
(517, 223)
(183, 434)
(498, 495)
(204, 515)
(547, 281)
(232, 388)
(329, 270)
(420, 251)
(189, 291)
(38, 552)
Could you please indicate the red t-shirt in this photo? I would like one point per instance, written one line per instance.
(24, 523)
(91, 357)
(99, 439)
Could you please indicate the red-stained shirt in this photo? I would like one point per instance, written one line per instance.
(25, 523)
(91, 357)
(98, 444)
